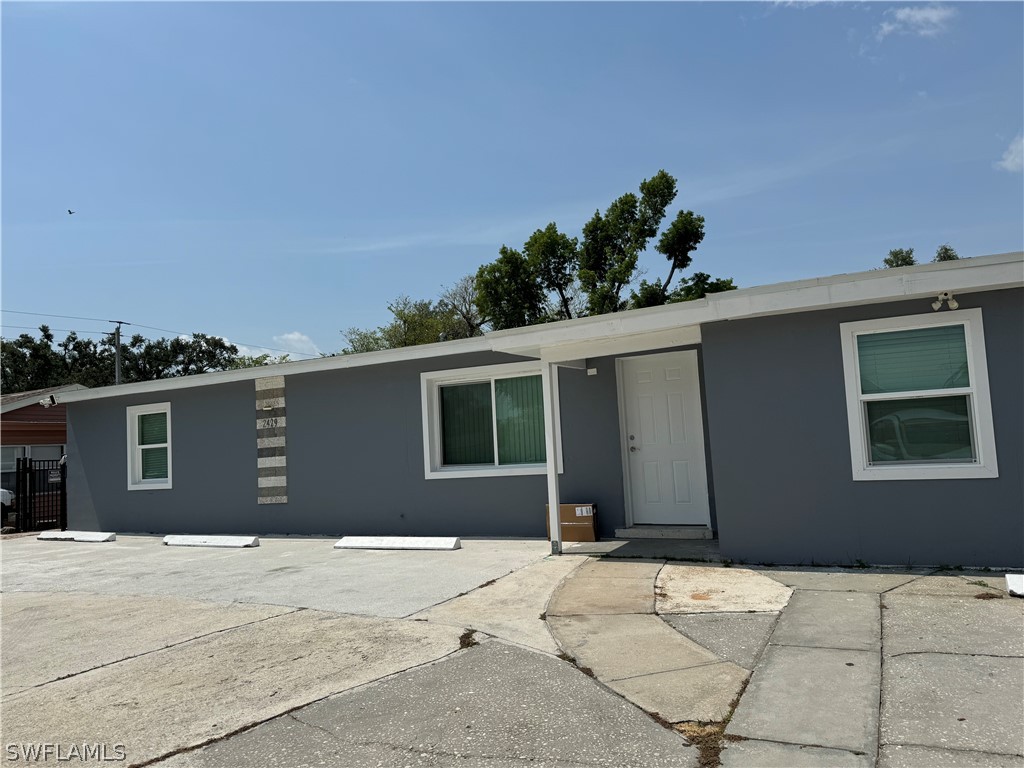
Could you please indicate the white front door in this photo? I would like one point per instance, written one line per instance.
(664, 439)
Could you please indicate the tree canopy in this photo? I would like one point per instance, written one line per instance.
(28, 363)
(899, 257)
(557, 277)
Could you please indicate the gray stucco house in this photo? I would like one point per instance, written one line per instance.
(873, 416)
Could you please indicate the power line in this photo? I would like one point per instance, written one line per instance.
(138, 325)
(59, 330)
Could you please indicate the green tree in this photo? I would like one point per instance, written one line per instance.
(553, 259)
(558, 277)
(460, 298)
(612, 243)
(29, 363)
(508, 292)
(899, 257)
(945, 252)
(413, 322)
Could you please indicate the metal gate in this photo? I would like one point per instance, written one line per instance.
(41, 494)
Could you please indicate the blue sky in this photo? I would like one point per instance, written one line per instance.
(275, 173)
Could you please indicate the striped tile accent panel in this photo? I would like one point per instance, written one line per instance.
(271, 441)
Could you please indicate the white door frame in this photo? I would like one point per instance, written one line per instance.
(627, 479)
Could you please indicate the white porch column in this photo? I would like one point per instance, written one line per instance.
(550, 382)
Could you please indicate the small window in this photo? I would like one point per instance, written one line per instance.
(149, 446)
(484, 421)
(917, 397)
(46, 452)
(9, 456)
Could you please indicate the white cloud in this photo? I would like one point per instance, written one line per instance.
(920, 20)
(1013, 157)
(295, 341)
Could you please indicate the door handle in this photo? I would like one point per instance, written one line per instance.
(633, 449)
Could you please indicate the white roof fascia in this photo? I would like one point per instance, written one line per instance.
(875, 286)
(571, 339)
(24, 402)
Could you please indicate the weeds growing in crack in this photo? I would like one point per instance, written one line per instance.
(709, 738)
(467, 640)
(988, 596)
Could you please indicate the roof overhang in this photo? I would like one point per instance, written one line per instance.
(640, 330)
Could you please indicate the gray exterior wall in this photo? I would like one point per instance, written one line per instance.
(779, 436)
(355, 460)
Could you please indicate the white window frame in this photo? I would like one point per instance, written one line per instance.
(978, 398)
(135, 481)
(430, 385)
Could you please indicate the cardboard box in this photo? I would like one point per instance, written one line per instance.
(578, 521)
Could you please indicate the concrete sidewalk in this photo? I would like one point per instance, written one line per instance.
(859, 668)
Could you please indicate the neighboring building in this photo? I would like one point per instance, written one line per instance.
(30, 430)
(869, 417)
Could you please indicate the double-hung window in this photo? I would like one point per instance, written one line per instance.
(917, 397)
(484, 421)
(149, 447)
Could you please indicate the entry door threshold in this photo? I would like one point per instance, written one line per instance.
(664, 532)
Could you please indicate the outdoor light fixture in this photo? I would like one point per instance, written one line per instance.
(947, 297)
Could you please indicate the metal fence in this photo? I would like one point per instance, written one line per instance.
(40, 494)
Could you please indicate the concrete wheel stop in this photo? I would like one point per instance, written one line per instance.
(86, 536)
(235, 542)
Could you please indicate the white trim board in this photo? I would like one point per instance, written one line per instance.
(982, 273)
(399, 542)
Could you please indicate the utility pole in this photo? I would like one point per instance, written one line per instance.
(117, 349)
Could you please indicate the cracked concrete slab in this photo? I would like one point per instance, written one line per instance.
(701, 693)
(814, 696)
(842, 580)
(830, 620)
(953, 702)
(699, 589)
(736, 637)
(302, 572)
(944, 585)
(921, 623)
(616, 647)
(214, 685)
(769, 754)
(537, 710)
(50, 636)
(900, 756)
(582, 595)
(511, 607)
(607, 568)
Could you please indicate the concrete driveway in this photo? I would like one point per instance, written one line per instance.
(144, 654)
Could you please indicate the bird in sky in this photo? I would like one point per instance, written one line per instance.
(70, 212)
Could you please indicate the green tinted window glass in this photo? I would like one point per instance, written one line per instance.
(152, 428)
(917, 359)
(519, 404)
(467, 435)
(920, 429)
(154, 463)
